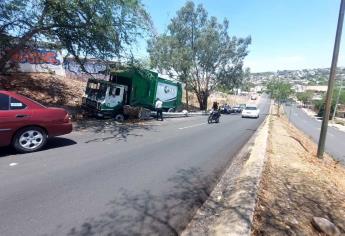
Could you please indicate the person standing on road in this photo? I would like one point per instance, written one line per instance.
(159, 109)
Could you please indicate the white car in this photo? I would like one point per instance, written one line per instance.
(251, 111)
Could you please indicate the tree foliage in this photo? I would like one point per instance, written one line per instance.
(279, 90)
(95, 28)
(199, 51)
(319, 105)
(305, 97)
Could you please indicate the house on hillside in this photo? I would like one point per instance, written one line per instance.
(317, 90)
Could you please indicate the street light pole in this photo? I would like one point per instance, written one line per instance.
(322, 140)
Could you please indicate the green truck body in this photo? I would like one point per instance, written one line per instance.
(135, 87)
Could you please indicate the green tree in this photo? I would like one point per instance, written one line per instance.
(320, 104)
(305, 97)
(200, 52)
(280, 91)
(103, 29)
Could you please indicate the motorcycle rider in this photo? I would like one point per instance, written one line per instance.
(215, 110)
(215, 106)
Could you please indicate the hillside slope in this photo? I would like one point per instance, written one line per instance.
(50, 90)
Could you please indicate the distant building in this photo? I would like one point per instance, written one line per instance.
(317, 88)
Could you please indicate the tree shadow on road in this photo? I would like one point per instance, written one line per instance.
(104, 130)
(150, 214)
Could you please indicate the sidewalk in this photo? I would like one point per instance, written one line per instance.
(296, 186)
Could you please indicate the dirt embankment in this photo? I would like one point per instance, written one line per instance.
(50, 90)
(297, 186)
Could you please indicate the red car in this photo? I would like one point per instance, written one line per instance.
(26, 124)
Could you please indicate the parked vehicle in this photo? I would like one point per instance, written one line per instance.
(236, 109)
(134, 87)
(26, 124)
(251, 111)
(214, 117)
(242, 106)
(226, 109)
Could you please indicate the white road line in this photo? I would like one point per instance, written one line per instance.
(192, 126)
(13, 164)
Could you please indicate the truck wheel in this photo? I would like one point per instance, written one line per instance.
(29, 139)
(119, 117)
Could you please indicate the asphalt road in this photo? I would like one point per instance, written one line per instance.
(335, 140)
(106, 179)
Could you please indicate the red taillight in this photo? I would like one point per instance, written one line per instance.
(66, 119)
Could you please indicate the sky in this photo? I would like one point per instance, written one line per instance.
(286, 34)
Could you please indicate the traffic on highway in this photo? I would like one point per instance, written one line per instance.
(133, 170)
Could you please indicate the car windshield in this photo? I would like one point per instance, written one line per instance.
(251, 108)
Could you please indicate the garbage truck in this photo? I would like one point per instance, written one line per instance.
(130, 86)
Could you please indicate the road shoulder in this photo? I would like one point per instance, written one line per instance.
(230, 207)
(296, 186)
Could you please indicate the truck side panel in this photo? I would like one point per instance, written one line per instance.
(143, 87)
(169, 92)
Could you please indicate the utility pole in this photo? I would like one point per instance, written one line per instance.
(338, 96)
(323, 133)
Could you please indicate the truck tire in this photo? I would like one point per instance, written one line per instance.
(119, 117)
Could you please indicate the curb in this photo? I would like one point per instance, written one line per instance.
(229, 210)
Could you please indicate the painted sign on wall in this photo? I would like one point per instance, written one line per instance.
(39, 60)
(92, 67)
(37, 56)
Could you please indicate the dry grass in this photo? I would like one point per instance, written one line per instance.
(45, 88)
(297, 186)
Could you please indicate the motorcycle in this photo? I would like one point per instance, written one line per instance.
(213, 117)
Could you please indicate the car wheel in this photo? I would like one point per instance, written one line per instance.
(29, 139)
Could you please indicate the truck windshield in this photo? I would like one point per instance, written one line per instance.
(96, 89)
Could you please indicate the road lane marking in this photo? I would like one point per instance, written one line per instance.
(13, 164)
(191, 126)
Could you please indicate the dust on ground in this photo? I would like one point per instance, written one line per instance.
(297, 186)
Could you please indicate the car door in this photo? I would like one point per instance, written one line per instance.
(13, 115)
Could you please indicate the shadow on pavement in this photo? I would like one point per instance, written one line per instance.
(149, 214)
(103, 130)
(52, 143)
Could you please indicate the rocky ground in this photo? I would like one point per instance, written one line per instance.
(296, 186)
